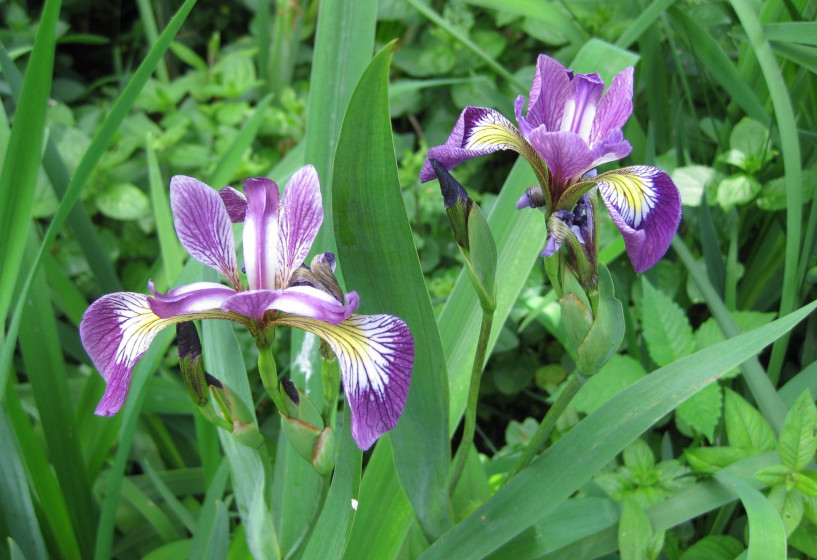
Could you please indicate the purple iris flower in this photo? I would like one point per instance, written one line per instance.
(375, 352)
(571, 127)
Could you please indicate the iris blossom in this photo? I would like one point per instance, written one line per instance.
(375, 352)
(569, 129)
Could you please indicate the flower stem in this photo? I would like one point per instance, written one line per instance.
(471, 407)
(269, 375)
(574, 383)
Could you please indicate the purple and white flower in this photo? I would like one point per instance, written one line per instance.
(571, 126)
(375, 352)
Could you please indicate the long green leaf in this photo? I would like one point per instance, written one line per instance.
(767, 536)
(95, 151)
(644, 21)
(371, 227)
(20, 519)
(331, 533)
(790, 146)
(19, 173)
(595, 441)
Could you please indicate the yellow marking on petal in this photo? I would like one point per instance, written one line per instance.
(492, 131)
(631, 192)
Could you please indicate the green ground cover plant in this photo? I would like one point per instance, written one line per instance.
(560, 404)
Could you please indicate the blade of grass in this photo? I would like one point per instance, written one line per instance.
(42, 480)
(643, 22)
(596, 440)
(22, 158)
(792, 32)
(761, 388)
(148, 21)
(45, 368)
(790, 146)
(211, 536)
(20, 519)
(171, 250)
(232, 157)
(371, 226)
(155, 516)
(99, 144)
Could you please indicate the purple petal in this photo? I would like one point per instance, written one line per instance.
(199, 297)
(646, 206)
(479, 131)
(565, 153)
(303, 301)
(376, 355)
(611, 148)
(203, 225)
(615, 107)
(116, 331)
(260, 232)
(580, 106)
(235, 202)
(548, 95)
(301, 218)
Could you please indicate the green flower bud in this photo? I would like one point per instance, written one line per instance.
(323, 454)
(190, 363)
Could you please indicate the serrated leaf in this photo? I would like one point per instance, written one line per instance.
(703, 410)
(617, 374)
(773, 475)
(666, 327)
(634, 531)
(712, 459)
(638, 457)
(798, 438)
(745, 426)
(789, 504)
(713, 547)
(806, 482)
(804, 539)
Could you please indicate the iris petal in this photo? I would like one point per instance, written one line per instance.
(300, 220)
(299, 300)
(199, 297)
(260, 232)
(116, 331)
(478, 132)
(235, 202)
(203, 225)
(615, 107)
(646, 206)
(376, 355)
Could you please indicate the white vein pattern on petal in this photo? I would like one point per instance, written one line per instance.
(490, 130)
(632, 193)
(365, 359)
(138, 325)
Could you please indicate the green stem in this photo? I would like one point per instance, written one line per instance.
(269, 374)
(471, 406)
(574, 383)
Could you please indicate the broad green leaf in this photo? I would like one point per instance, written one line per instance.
(665, 325)
(596, 440)
(774, 475)
(710, 333)
(703, 411)
(772, 197)
(371, 228)
(789, 505)
(737, 189)
(713, 547)
(604, 58)
(713, 459)
(123, 201)
(798, 439)
(634, 531)
(745, 426)
(22, 158)
(211, 535)
(692, 180)
(806, 482)
(618, 373)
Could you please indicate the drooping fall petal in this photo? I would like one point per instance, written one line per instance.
(199, 297)
(299, 300)
(479, 131)
(116, 331)
(376, 355)
(203, 226)
(646, 206)
(299, 222)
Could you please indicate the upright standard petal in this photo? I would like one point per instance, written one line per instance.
(116, 331)
(203, 226)
(479, 131)
(260, 232)
(235, 203)
(581, 103)
(376, 355)
(300, 220)
(615, 107)
(548, 94)
(646, 206)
